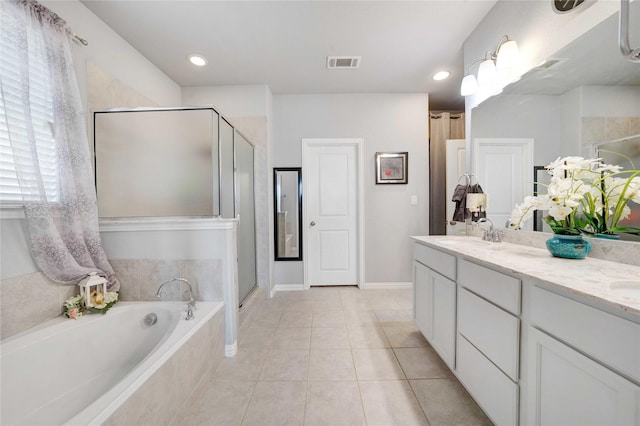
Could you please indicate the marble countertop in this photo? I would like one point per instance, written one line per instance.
(612, 285)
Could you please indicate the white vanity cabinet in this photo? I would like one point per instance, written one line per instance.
(489, 339)
(435, 300)
(581, 363)
(530, 344)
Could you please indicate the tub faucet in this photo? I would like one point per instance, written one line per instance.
(490, 234)
(191, 305)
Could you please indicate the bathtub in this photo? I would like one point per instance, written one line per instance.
(81, 372)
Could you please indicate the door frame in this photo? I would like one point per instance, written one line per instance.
(308, 143)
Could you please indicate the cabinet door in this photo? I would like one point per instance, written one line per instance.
(444, 317)
(423, 299)
(567, 388)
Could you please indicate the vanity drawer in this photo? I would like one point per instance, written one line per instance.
(499, 288)
(443, 263)
(612, 340)
(494, 392)
(496, 333)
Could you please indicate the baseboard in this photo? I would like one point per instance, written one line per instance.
(390, 285)
(286, 287)
(231, 350)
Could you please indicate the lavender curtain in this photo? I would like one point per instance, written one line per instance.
(63, 226)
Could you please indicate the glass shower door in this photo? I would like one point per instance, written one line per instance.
(245, 211)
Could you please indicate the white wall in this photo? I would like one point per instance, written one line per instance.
(611, 101)
(522, 116)
(231, 101)
(386, 122)
(108, 50)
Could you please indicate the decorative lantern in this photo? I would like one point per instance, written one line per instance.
(93, 289)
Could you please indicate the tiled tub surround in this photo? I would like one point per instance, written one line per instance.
(31, 299)
(145, 376)
(142, 277)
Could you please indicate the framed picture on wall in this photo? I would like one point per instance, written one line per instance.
(391, 167)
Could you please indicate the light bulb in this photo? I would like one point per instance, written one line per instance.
(487, 73)
(197, 60)
(507, 54)
(469, 85)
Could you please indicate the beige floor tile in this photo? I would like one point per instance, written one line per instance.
(331, 365)
(321, 305)
(286, 365)
(222, 403)
(394, 318)
(268, 319)
(390, 403)
(376, 364)
(367, 337)
(330, 338)
(296, 319)
(360, 318)
(422, 363)
(276, 404)
(298, 306)
(380, 303)
(252, 339)
(245, 366)
(292, 338)
(446, 402)
(333, 318)
(333, 403)
(405, 336)
(349, 304)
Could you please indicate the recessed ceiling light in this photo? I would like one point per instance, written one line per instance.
(441, 75)
(198, 60)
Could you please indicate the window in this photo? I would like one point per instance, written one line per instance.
(23, 126)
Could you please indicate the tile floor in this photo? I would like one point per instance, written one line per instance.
(333, 356)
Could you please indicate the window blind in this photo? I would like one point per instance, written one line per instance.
(28, 127)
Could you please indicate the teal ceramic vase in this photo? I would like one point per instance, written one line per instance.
(568, 246)
(608, 236)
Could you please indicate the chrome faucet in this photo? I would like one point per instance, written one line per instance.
(490, 234)
(191, 305)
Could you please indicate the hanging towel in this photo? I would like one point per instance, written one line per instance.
(460, 198)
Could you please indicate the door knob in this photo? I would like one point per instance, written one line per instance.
(312, 223)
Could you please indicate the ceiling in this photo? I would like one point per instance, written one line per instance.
(285, 44)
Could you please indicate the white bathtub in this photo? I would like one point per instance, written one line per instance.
(80, 371)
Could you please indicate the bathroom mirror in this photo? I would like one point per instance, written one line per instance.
(287, 204)
(585, 96)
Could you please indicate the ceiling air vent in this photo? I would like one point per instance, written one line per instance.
(343, 62)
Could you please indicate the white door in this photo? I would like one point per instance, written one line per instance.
(331, 179)
(504, 167)
(456, 166)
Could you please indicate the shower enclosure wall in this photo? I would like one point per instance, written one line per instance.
(177, 162)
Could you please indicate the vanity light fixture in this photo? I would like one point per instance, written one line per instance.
(505, 56)
(197, 60)
(487, 72)
(441, 75)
